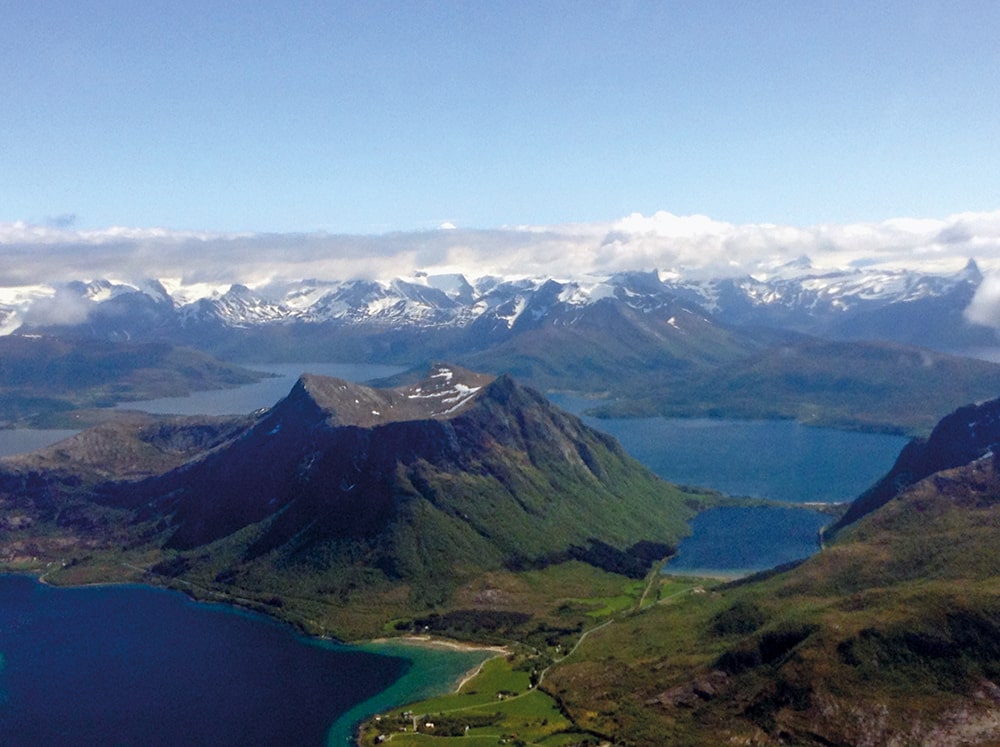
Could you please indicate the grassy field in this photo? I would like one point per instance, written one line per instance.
(498, 706)
(890, 635)
(508, 701)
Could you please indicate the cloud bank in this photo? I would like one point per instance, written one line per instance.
(694, 245)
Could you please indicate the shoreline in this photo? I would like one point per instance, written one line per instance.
(472, 674)
(429, 641)
(452, 682)
(350, 723)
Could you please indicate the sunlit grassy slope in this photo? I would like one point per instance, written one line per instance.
(891, 633)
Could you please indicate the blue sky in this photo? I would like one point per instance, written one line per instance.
(371, 117)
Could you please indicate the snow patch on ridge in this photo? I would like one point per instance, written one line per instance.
(451, 394)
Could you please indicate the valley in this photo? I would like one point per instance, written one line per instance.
(601, 374)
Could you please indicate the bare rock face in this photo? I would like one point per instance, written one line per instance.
(691, 693)
(443, 394)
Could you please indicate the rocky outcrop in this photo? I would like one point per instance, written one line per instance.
(962, 437)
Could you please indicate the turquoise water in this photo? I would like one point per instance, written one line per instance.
(434, 671)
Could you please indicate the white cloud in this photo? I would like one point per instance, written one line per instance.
(985, 306)
(62, 307)
(694, 245)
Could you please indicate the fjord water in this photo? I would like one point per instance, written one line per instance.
(236, 401)
(263, 393)
(776, 459)
(131, 665)
(737, 540)
(134, 665)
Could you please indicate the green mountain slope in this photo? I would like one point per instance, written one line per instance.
(891, 635)
(343, 497)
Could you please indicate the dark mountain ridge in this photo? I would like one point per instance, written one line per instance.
(336, 462)
(964, 436)
(348, 492)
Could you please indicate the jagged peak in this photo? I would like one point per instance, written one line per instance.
(971, 271)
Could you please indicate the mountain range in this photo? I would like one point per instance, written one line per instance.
(826, 348)
(452, 314)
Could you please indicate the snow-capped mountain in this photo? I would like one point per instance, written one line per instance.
(799, 289)
(898, 305)
(895, 305)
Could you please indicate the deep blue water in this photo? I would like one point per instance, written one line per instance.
(740, 539)
(131, 665)
(777, 459)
